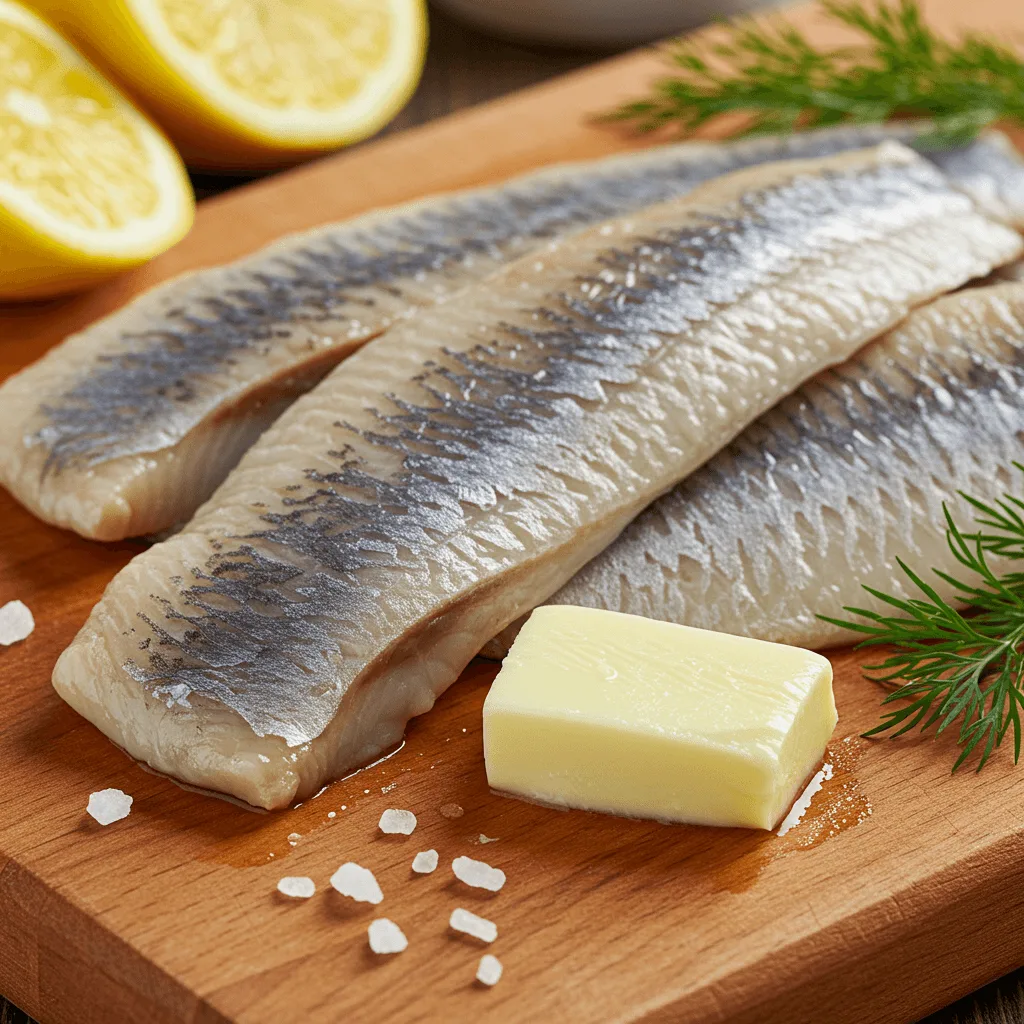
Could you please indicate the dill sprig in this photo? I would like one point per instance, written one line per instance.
(767, 70)
(951, 667)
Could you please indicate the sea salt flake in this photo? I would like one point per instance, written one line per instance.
(386, 936)
(16, 623)
(397, 823)
(451, 810)
(478, 874)
(425, 862)
(297, 886)
(332, 814)
(469, 924)
(803, 801)
(357, 883)
(109, 805)
(489, 970)
(390, 786)
(485, 839)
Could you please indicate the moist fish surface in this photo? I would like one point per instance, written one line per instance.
(125, 428)
(457, 471)
(824, 492)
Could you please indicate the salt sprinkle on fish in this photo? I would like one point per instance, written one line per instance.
(469, 924)
(297, 886)
(109, 805)
(386, 937)
(394, 822)
(425, 862)
(356, 882)
(478, 874)
(803, 801)
(489, 970)
(16, 623)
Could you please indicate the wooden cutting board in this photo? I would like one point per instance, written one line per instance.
(901, 891)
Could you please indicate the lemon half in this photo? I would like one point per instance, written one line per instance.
(257, 83)
(88, 186)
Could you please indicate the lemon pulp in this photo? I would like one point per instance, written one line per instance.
(64, 142)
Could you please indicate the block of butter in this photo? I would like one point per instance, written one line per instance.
(618, 713)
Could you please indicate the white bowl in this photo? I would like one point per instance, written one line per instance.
(601, 23)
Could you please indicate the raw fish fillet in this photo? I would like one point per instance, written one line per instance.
(826, 491)
(457, 471)
(127, 427)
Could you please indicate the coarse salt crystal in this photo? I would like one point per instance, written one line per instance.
(332, 814)
(386, 936)
(425, 862)
(489, 971)
(357, 883)
(394, 822)
(478, 874)
(485, 839)
(16, 623)
(479, 927)
(451, 811)
(297, 886)
(109, 805)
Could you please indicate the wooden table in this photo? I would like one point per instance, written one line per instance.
(464, 68)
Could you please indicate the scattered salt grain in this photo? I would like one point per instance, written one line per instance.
(485, 839)
(297, 886)
(489, 971)
(452, 811)
(397, 823)
(357, 883)
(478, 874)
(109, 805)
(293, 838)
(332, 814)
(469, 924)
(386, 936)
(366, 792)
(390, 786)
(803, 801)
(16, 623)
(424, 863)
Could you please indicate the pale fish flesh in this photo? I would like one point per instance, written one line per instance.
(822, 494)
(127, 427)
(457, 471)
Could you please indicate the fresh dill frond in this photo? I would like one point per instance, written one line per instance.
(953, 668)
(768, 71)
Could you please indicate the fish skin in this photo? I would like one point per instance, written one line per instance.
(824, 492)
(128, 426)
(457, 471)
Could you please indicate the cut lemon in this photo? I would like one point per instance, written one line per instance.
(257, 83)
(87, 185)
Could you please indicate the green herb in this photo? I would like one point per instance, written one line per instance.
(767, 70)
(952, 667)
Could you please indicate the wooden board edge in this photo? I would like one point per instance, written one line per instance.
(891, 963)
(45, 941)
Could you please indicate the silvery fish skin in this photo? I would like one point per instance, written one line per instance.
(460, 469)
(826, 491)
(125, 428)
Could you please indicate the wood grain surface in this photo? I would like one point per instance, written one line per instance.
(171, 915)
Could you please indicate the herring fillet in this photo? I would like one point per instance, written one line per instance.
(127, 427)
(457, 471)
(824, 492)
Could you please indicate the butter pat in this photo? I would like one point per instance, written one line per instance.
(618, 713)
